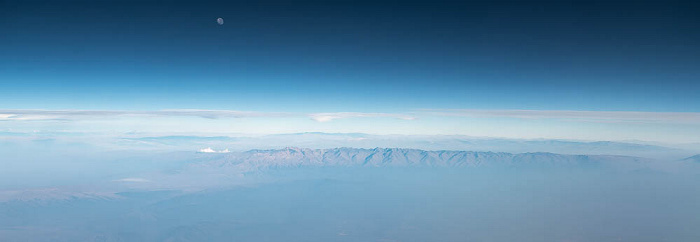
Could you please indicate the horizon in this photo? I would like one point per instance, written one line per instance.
(467, 68)
(349, 121)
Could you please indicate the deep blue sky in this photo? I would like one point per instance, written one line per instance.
(350, 56)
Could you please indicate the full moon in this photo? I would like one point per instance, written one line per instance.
(220, 21)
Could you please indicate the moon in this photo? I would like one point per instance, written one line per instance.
(220, 21)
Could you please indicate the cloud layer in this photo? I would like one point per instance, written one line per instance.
(30, 115)
(590, 116)
(586, 116)
(26, 115)
(132, 179)
(210, 150)
(326, 117)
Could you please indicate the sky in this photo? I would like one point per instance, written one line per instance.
(585, 70)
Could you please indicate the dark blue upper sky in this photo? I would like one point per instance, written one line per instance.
(350, 56)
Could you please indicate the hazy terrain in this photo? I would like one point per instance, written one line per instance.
(350, 194)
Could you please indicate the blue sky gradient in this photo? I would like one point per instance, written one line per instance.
(316, 57)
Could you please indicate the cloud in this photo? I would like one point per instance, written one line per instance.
(214, 114)
(326, 117)
(207, 150)
(36, 114)
(210, 150)
(132, 179)
(589, 116)
(586, 116)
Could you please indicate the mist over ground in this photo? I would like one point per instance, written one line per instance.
(348, 194)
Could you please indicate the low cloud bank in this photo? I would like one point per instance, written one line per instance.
(326, 117)
(210, 150)
(590, 116)
(38, 114)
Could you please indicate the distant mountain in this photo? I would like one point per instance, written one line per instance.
(425, 142)
(40, 195)
(399, 157)
(695, 158)
(460, 142)
(192, 171)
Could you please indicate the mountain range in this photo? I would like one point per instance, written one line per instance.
(254, 160)
(425, 142)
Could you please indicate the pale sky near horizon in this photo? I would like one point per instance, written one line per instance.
(520, 124)
(583, 70)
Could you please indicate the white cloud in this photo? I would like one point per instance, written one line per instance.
(37, 114)
(589, 116)
(32, 114)
(207, 150)
(210, 150)
(19, 117)
(132, 179)
(326, 117)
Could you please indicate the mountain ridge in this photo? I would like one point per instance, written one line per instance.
(695, 158)
(404, 157)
